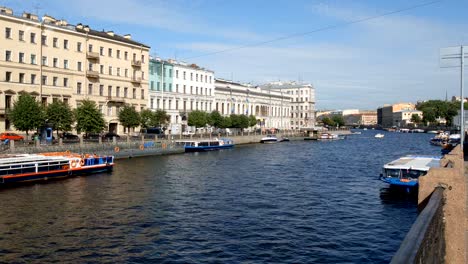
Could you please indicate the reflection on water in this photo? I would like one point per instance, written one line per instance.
(299, 202)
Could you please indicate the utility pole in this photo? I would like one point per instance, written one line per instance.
(462, 99)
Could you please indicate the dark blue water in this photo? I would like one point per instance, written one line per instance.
(296, 202)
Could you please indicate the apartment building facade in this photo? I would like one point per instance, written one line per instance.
(53, 60)
(385, 116)
(271, 108)
(302, 102)
(179, 88)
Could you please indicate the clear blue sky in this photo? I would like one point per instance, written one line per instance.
(389, 59)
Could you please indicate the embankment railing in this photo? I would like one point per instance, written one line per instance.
(425, 241)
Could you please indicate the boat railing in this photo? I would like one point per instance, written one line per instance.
(425, 240)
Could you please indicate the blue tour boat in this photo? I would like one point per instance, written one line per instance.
(405, 171)
(206, 144)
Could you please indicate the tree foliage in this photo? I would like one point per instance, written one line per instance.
(60, 115)
(225, 122)
(215, 119)
(338, 120)
(161, 118)
(147, 118)
(88, 118)
(252, 121)
(197, 118)
(415, 118)
(27, 114)
(129, 117)
(434, 109)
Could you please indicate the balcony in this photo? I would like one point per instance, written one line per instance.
(136, 80)
(92, 55)
(136, 63)
(92, 74)
(114, 99)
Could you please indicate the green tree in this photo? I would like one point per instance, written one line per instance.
(338, 120)
(235, 121)
(129, 117)
(60, 115)
(161, 118)
(197, 118)
(328, 121)
(415, 118)
(27, 114)
(88, 118)
(252, 121)
(433, 109)
(243, 121)
(215, 119)
(147, 118)
(225, 122)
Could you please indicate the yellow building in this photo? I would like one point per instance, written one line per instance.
(53, 60)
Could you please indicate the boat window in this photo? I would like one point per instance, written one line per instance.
(203, 144)
(412, 173)
(215, 143)
(392, 172)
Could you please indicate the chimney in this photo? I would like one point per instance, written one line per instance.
(128, 36)
(110, 33)
(6, 11)
(79, 26)
(48, 19)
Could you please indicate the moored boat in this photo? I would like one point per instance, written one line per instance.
(206, 144)
(379, 135)
(283, 139)
(405, 171)
(269, 139)
(16, 168)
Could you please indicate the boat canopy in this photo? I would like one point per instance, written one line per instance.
(411, 162)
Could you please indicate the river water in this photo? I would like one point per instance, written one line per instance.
(293, 202)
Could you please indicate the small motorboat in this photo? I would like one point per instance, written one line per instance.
(379, 135)
(269, 139)
(283, 139)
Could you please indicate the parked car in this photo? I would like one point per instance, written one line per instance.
(69, 136)
(92, 137)
(110, 136)
(10, 136)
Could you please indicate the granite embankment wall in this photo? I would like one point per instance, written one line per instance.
(438, 235)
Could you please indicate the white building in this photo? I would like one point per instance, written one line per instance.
(271, 108)
(302, 102)
(403, 117)
(181, 89)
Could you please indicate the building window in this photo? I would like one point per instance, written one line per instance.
(55, 62)
(177, 74)
(142, 58)
(90, 47)
(65, 64)
(158, 86)
(109, 91)
(117, 91)
(170, 87)
(8, 33)
(110, 70)
(118, 54)
(125, 92)
(21, 78)
(184, 75)
(54, 81)
(21, 35)
(78, 66)
(134, 93)
(177, 88)
(152, 103)
(170, 73)
(65, 82)
(78, 46)
(191, 76)
(21, 57)
(44, 60)
(196, 77)
(33, 78)
(118, 71)
(90, 89)
(78, 88)
(33, 58)
(8, 55)
(44, 80)
(142, 75)
(33, 38)
(44, 40)
(125, 55)
(152, 85)
(109, 110)
(8, 77)
(65, 43)
(126, 72)
(102, 69)
(109, 52)
(55, 42)
(101, 90)
(142, 93)
(164, 86)
(185, 88)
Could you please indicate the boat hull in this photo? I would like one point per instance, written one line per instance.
(207, 148)
(269, 141)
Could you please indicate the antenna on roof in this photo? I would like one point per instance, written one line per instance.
(37, 7)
